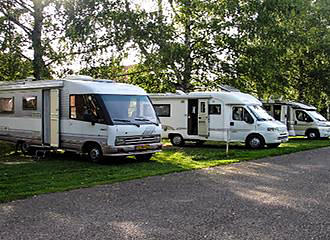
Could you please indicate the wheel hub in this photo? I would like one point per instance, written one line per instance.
(255, 142)
(177, 140)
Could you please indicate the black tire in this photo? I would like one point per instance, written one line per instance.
(26, 149)
(255, 142)
(313, 134)
(95, 154)
(273, 145)
(177, 140)
(143, 157)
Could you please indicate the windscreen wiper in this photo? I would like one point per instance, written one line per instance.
(145, 120)
(121, 120)
(126, 121)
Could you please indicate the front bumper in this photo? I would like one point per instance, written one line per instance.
(129, 150)
(276, 137)
(324, 132)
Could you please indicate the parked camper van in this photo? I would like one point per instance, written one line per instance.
(82, 114)
(218, 116)
(300, 119)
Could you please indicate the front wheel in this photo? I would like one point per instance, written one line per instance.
(143, 157)
(255, 142)
(313, 134)
(95, 154)
(177, 140)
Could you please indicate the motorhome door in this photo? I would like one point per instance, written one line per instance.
(51, 121)
(203, 118)
(192, 117)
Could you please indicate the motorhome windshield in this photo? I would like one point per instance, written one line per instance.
(130, 109)
(316, 116)
(260, 113)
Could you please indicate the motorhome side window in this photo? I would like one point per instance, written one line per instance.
(215, 109)
(163, 110)
(6, 105)
(303, 117)
(86, 108)
(30, 103)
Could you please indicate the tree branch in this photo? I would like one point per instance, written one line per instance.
(27, 30)
(24, 5)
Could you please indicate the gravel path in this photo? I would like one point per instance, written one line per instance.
(286, 197)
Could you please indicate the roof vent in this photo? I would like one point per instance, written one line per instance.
(79, 77)
(228, 88)
(179, 92)
(30, 79)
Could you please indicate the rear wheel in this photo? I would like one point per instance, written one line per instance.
(177, 140)
(143, 157)
(95, 154)
(200, 142)
(26, 149)
(313, 134)
(255, 142)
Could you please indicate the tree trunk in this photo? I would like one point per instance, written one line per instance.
(39, 67)
(188, 61)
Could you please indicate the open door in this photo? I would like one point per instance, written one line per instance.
(54, 118)
(203, 118)
(192, 116)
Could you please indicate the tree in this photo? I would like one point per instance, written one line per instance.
(60, 31)
(177, 45)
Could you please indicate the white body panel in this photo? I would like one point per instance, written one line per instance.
(221, 127)
(61, 130)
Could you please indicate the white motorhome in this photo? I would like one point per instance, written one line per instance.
(300, 119)
(218, 116)
(82, 114)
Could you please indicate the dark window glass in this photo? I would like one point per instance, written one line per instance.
(86, 108)
(277, 112)
(241, 114)
(163, 110)
(6, 105)
(203, 109)
(215, 109)
(303, 117)
(30, 103)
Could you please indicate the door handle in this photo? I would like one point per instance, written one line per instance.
(231, 123)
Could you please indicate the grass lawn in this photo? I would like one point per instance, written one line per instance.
(21, 177)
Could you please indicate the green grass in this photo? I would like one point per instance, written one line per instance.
(21, 177)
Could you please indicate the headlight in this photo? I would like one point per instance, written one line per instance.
(271, 129)
(119, 141)
(158, 138)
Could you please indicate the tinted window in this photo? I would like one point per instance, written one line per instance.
(86, 108)
(30, 103)
(241, 114)
(6, 105)
(163, 110)
(203, 107)
(215, 109)
(303, 117)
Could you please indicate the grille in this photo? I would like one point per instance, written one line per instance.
(134, 140)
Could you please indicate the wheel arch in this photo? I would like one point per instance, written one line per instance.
(308, 130)
(255, 134)
(86, 145)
